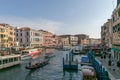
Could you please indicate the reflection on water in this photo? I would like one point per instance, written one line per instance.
(52, 71)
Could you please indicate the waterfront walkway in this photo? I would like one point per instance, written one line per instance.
(114, 71)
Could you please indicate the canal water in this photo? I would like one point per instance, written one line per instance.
(52, 71)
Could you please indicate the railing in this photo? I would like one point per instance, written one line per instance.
(102, 74)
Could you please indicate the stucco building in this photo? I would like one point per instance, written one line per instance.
(28, 37)
(7, 35)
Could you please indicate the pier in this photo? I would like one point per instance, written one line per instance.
(69, 63)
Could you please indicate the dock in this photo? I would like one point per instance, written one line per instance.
(68, 63)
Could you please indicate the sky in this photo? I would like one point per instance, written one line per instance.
(58, 16)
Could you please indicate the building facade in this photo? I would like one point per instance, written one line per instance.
(93, 41)
(65, 40)
(106, 34)
(7, 35)
(28, 37)
(116, 31)
(84, 42)
(81, 38)
(73, 40)
(47, 38)
(57, 41)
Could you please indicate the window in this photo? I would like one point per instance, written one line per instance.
(21, 34)
(11, 60)
(5, 61)
(15, 59)
(2, 30)
(27, 34)
(11, 33)
(119, 13)
(113, 18)
(21, 40)
(17, 34)
(0, 62)
(27, 40)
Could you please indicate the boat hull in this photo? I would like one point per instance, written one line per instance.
(37, 65)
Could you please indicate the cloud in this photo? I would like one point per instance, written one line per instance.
(39, 23)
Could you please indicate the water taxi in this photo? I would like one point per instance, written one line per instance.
(9, 60)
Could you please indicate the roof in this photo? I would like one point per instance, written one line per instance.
(84, 58)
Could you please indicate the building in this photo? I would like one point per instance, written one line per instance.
(73, 40)
(65, 40)
(47, 38)
(7, 37)
(57, 41)
(28, 37)
(81, 37)
(93, 41)
(84, 42)
(116, 31)
(106, 34)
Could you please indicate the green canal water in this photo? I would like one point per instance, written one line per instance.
(52, 71)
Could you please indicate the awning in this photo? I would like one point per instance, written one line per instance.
(116, 50)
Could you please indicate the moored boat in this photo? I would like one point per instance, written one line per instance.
(88, 73)
(9, 60)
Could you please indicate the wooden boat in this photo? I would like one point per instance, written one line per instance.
(37, 65)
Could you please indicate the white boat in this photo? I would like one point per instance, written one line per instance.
(25, 57)
(88, 73)
(9, 60)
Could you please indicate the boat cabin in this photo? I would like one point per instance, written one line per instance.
(9, 60)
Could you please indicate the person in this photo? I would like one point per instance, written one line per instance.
(29, 63)
(109, 56)
(109, 62)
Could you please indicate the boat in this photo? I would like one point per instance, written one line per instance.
(25, 57)
(85, 60)
(37, 65)
(88, 73)
(9, 60)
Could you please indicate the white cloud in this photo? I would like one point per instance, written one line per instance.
(49, 25)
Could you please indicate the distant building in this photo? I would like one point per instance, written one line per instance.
(7, 37)
(57, 42)
(65, 40)
(73, 40)
(82, 38)
(47, 38)
(93, 41)
(84, 42)
(106, 34)
(28, 37)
